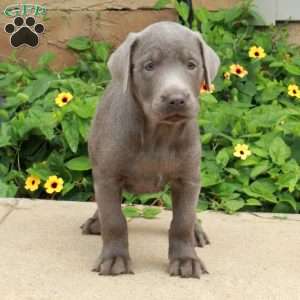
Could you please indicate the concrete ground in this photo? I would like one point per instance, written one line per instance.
(44, 256)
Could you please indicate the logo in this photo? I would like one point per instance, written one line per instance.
(24, 30)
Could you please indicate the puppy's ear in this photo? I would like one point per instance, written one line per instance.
(210, 59)
(120, 61)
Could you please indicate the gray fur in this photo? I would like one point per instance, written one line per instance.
(145, 135)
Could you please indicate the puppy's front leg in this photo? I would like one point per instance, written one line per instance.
(114, 258)
(183, 258)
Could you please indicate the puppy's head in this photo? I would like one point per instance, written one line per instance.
(163, 67)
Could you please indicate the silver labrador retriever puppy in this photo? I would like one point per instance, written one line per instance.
(145, 135)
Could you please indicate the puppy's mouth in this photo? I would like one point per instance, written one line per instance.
(175, 118)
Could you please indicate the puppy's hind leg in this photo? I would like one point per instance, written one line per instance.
(200, 236)
(92, 225)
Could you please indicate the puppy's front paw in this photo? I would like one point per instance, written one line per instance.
(187, 267)
(113, 266)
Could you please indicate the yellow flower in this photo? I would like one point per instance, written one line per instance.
(242, 151)
(294, 91)
(238, 70)
(63, 98)
(54, 184)
(257, 52)
(226, 75)
(206, 89)
(32, 183)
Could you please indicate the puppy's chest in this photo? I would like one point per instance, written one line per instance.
(150, 171)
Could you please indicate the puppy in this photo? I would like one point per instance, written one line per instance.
(145, 135)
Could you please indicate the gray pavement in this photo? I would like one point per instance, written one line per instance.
(44, 256)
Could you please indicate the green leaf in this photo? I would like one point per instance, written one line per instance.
(283, 207)
(71, 133)
(68, 186)
(217, 16)
(258, 19)
(279, 151)
(56, 164)
(129, 198)
(167, 201)
(40, 170)
(291, 166)
(161, 4)
(249, 88)
(5, 137)
(79, 196)
(292, 69)
(265, 188)
(208, 98)
(84, 110)
(259, 151)
(7, 189)
(253, 202)
(288, 180)
(227, 189)
(287, 197)
(3, 170)
(209, 179)
(183, 10)
(270, 93)
(233, 13)
(150, 212)
(101, 51)
(260, 168)
(46, 58)
(131, 212)
(206, 138)
(233, 205)
(38, 88)
(84, 127)
(202, 205)
(79, 43)
(201, 14)
(81, 163)
(223, 157)
(144, 198)
(250, 193)
(249, 161)
(276, 64)
(233, 171)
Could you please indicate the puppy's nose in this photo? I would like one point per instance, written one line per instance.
(175, 101)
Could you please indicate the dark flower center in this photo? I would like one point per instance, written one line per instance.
(205, 87)
(238, 70)
(242, 152)
(33, 181)
(256, 54)
(64, 99)
(294, 92)
(54, 185)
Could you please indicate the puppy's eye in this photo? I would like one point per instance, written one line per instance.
(191, 65)
(149, 66)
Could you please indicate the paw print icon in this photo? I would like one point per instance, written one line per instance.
(24, 32)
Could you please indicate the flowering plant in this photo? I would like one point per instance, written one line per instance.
(251, 122)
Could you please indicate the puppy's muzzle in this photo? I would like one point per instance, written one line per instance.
(175, 105)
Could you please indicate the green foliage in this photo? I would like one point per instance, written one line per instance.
(161, 4)
(255, 110)
(37, 137)
(146, 212)
(40, 138)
